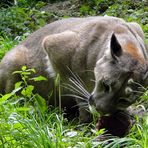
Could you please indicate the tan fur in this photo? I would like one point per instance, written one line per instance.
(83, 46)
(132, 50)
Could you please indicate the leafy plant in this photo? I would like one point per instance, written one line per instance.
(128, 9)
(17, 107)
(16, 21)
(25, 119)
(6, 44)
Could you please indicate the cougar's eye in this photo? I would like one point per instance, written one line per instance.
(106, 87)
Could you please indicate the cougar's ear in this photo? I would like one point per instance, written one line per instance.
(116, 50)
(61, 45)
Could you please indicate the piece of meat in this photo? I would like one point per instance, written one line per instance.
(117, 124)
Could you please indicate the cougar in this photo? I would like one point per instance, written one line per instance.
(102, 61)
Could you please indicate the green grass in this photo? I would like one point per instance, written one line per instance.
(24, 124)
(6, 44)
(25, 120)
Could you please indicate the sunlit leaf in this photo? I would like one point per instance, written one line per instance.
(41, 102)
(39, 78)
(24, 68)
(5, 97)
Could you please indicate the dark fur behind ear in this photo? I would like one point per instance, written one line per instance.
(116, 50)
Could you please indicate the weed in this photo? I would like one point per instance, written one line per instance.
(25, 120)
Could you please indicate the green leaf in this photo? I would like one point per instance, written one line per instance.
(17, 89)
(28, 91)
(18, 84)
(39, 78)
(18, 126)
(17, 72)
(23, 109)
(57, 80)
(32, 70)
(41, 103)
(25, 73)
(5, 97)
(24, 68)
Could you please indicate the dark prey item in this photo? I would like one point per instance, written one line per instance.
(116, 124)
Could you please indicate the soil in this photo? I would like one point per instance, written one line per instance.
(69, 8)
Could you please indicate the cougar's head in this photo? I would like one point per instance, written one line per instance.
(119, 76)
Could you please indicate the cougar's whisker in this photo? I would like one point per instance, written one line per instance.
(140, 92)
(76, 81)
(73, 89)
(77, 78)
(93, 80)
(80, 87)
(85, 107)
(141, 86)
(76, 96)
(126, 114)
(90, 71)
(84, 104)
